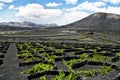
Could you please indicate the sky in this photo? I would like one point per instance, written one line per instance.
(61, 12)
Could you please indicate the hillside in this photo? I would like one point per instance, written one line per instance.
(100, 22)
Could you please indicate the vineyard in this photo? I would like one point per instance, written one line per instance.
(64, 61)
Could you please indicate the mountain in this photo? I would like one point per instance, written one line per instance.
(27, 24)
(51, 25)
(100, 22)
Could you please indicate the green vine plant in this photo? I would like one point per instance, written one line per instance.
(43, 77)
(20, 46)
(30, 59)
(50, 58)
(70, 63)
(62, 76)
(24, 54)
(91, 73)
(98, 57)
(118, 54)
(37, 68)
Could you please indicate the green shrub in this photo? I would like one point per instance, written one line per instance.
(27, 59)
(43, 77)
(62, 76)
(98, 57)
(118, 54)
(38, 68)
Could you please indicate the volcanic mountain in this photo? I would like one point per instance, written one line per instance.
(100, 22)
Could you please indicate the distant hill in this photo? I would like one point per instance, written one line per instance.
(7, 26)
(101, 22)
(27, 24)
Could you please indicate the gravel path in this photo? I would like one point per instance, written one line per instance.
(10, 70)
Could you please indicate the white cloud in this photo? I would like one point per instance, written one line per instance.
(37, 12)
(113, 1)
(11, 7)
(53, 4)
(95, 7)
(98, 7)
(2, 5)
(7, 1)
(71, 1)
(73, 16)
(90, 6)
(111, 9)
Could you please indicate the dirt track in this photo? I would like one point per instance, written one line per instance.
(10, 70)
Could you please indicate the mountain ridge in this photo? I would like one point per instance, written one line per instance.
(27, 24)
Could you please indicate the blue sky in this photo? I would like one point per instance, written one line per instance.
(54, 11)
